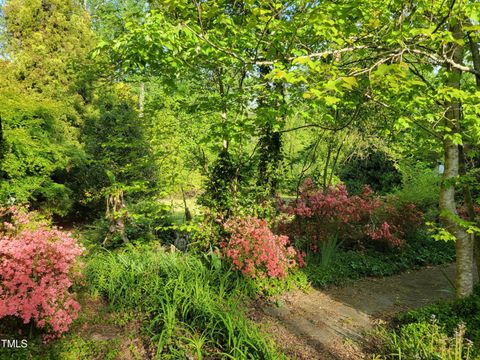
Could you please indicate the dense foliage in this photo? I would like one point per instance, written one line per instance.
(448, 330)
(449, 315)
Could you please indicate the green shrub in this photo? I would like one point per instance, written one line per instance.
(424, 341)
(145, 221)
(420, 186)
(218, 195)
(148, 220)
(446, 330)
(352, 265)
(38, 144)
(450, 314)
(296, 279)
(189, 302)
(375, 169)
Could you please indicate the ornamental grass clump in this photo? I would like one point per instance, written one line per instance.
(37, 269)
(190, 304)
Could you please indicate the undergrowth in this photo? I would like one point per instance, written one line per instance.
(193, 305)
(445, 330)
(352, 265)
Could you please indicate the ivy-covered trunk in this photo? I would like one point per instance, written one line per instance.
(448, 206)
(270, 157)
(270, 142)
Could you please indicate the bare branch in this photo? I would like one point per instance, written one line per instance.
(315, 55)
(444, 61)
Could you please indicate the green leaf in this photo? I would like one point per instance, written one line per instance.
(349, 82)
(331, 100)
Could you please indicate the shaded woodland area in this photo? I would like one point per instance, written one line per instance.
(169, 169)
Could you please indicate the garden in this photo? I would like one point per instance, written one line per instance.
(239, 179)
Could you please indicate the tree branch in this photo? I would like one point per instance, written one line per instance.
(314, 55)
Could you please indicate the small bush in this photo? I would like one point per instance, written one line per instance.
(420, 186)
(425, 341)
(148, 220)
(256, 251)
(37, 267)
(144, 221)
(450, 314)
(398, 221)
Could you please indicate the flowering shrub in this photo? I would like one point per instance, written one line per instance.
(316, 216)
(36, 272)
(393, 221)
(256, 251)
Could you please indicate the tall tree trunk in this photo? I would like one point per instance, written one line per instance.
(448, 206)
(270, 143)
(327, 163)
(474, 49)
(469, 205)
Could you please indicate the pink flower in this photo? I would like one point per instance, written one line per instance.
(317, 215)
(36, 271)
(255, 251)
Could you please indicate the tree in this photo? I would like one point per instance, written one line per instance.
(217, 45)
(413, 64)
(42, 98)
(48, 42)
(398, 68)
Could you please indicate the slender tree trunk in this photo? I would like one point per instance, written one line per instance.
(448, 206)
(327, 163)
(335, 160)
(188, 214)
(141, 99)
(474, 49)
(2, 145)
(469, 205)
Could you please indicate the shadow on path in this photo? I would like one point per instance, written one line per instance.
(328, 324)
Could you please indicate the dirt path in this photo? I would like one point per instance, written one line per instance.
(328, 324)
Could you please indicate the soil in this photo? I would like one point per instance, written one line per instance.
(331, 323)
(101, 326)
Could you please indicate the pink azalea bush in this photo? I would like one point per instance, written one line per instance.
(357, 220)
(37, 268)
(256, 251)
